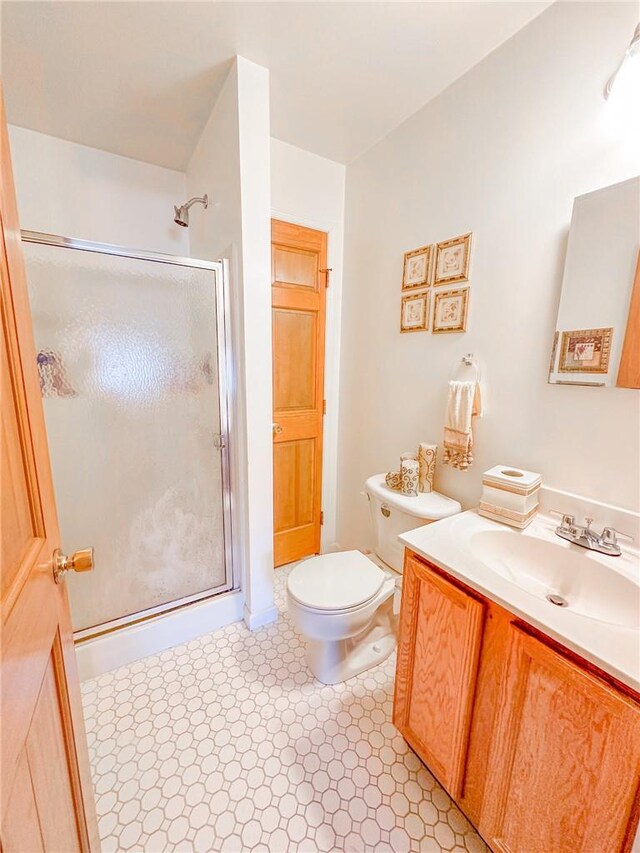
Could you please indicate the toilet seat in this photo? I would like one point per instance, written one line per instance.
(339, 582)
(342, 603)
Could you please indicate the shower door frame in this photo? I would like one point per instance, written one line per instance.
(226, 382)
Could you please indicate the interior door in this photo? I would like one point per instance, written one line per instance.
(298, 285)
(46, 799)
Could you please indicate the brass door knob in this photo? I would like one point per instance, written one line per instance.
(277, 429)
(79, 561)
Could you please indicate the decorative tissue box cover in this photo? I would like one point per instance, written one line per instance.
(510, 495)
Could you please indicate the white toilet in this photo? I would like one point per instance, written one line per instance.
(343, 602)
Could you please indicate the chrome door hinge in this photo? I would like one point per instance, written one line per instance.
(219, 441)
(327, 270)
(321, 518)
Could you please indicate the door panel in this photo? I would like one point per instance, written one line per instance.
(295, 266)
(438, 653)
(294, 464)
(45, 756)
(298, 316)
(46, 799)
(294, 342)
(17, 524)
(560, 730)
(22, 831)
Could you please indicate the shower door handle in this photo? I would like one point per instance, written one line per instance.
(79, 561)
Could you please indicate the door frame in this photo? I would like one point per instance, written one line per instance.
(333, 317)
(225, 384)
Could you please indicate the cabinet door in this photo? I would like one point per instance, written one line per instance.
(438, 651)
(564, 771)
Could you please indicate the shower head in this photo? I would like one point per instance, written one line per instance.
(181, 216)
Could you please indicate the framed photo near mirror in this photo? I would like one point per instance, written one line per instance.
(585, 351)
(594, 327)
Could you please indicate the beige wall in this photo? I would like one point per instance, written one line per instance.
(231, 164)
(502, 153)
(75, 191)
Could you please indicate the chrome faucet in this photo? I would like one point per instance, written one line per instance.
(605, 542)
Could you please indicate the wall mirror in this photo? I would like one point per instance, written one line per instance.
(597, 338)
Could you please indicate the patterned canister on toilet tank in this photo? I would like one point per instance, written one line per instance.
(409, 471)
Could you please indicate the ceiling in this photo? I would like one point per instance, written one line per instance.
(140, 78)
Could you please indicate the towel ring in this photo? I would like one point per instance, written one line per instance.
(467, 361)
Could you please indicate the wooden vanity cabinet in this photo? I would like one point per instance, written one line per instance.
(438, 653)
(564, 766)
(538, 748)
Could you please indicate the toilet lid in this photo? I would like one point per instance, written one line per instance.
(335, 581)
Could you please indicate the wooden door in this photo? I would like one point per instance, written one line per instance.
(438, 653)
(629, 372)
(46, 799)
(564, 768)
(298, 284)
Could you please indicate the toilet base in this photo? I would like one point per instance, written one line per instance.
(333, 661)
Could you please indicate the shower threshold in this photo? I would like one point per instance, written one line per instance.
(131, 619)
(111, 646)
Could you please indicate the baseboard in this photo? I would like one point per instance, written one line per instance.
(126, 645)
(253, 621)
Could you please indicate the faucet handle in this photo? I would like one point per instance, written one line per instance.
(567, 520)
(609, 536)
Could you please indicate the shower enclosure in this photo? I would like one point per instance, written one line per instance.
(131, 351)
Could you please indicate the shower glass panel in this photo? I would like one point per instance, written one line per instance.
(130, 355)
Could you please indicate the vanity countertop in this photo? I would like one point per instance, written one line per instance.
(459, 546)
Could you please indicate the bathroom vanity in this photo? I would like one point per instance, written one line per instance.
(528, 714)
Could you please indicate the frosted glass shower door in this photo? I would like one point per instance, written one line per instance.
(131, 363)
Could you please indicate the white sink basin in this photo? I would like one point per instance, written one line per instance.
(587, 585)
(519, 569)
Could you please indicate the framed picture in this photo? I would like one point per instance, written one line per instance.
(450, 310)
(554, 353)
(414, 316)
(452, 260)
(417, 268)
(585, 351)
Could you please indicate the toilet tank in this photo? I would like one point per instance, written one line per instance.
(393, 513)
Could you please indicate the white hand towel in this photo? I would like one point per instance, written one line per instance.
(462, 404)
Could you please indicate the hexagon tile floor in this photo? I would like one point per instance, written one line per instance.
(227, 743)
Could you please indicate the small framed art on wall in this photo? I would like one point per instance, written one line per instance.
(414, 315)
